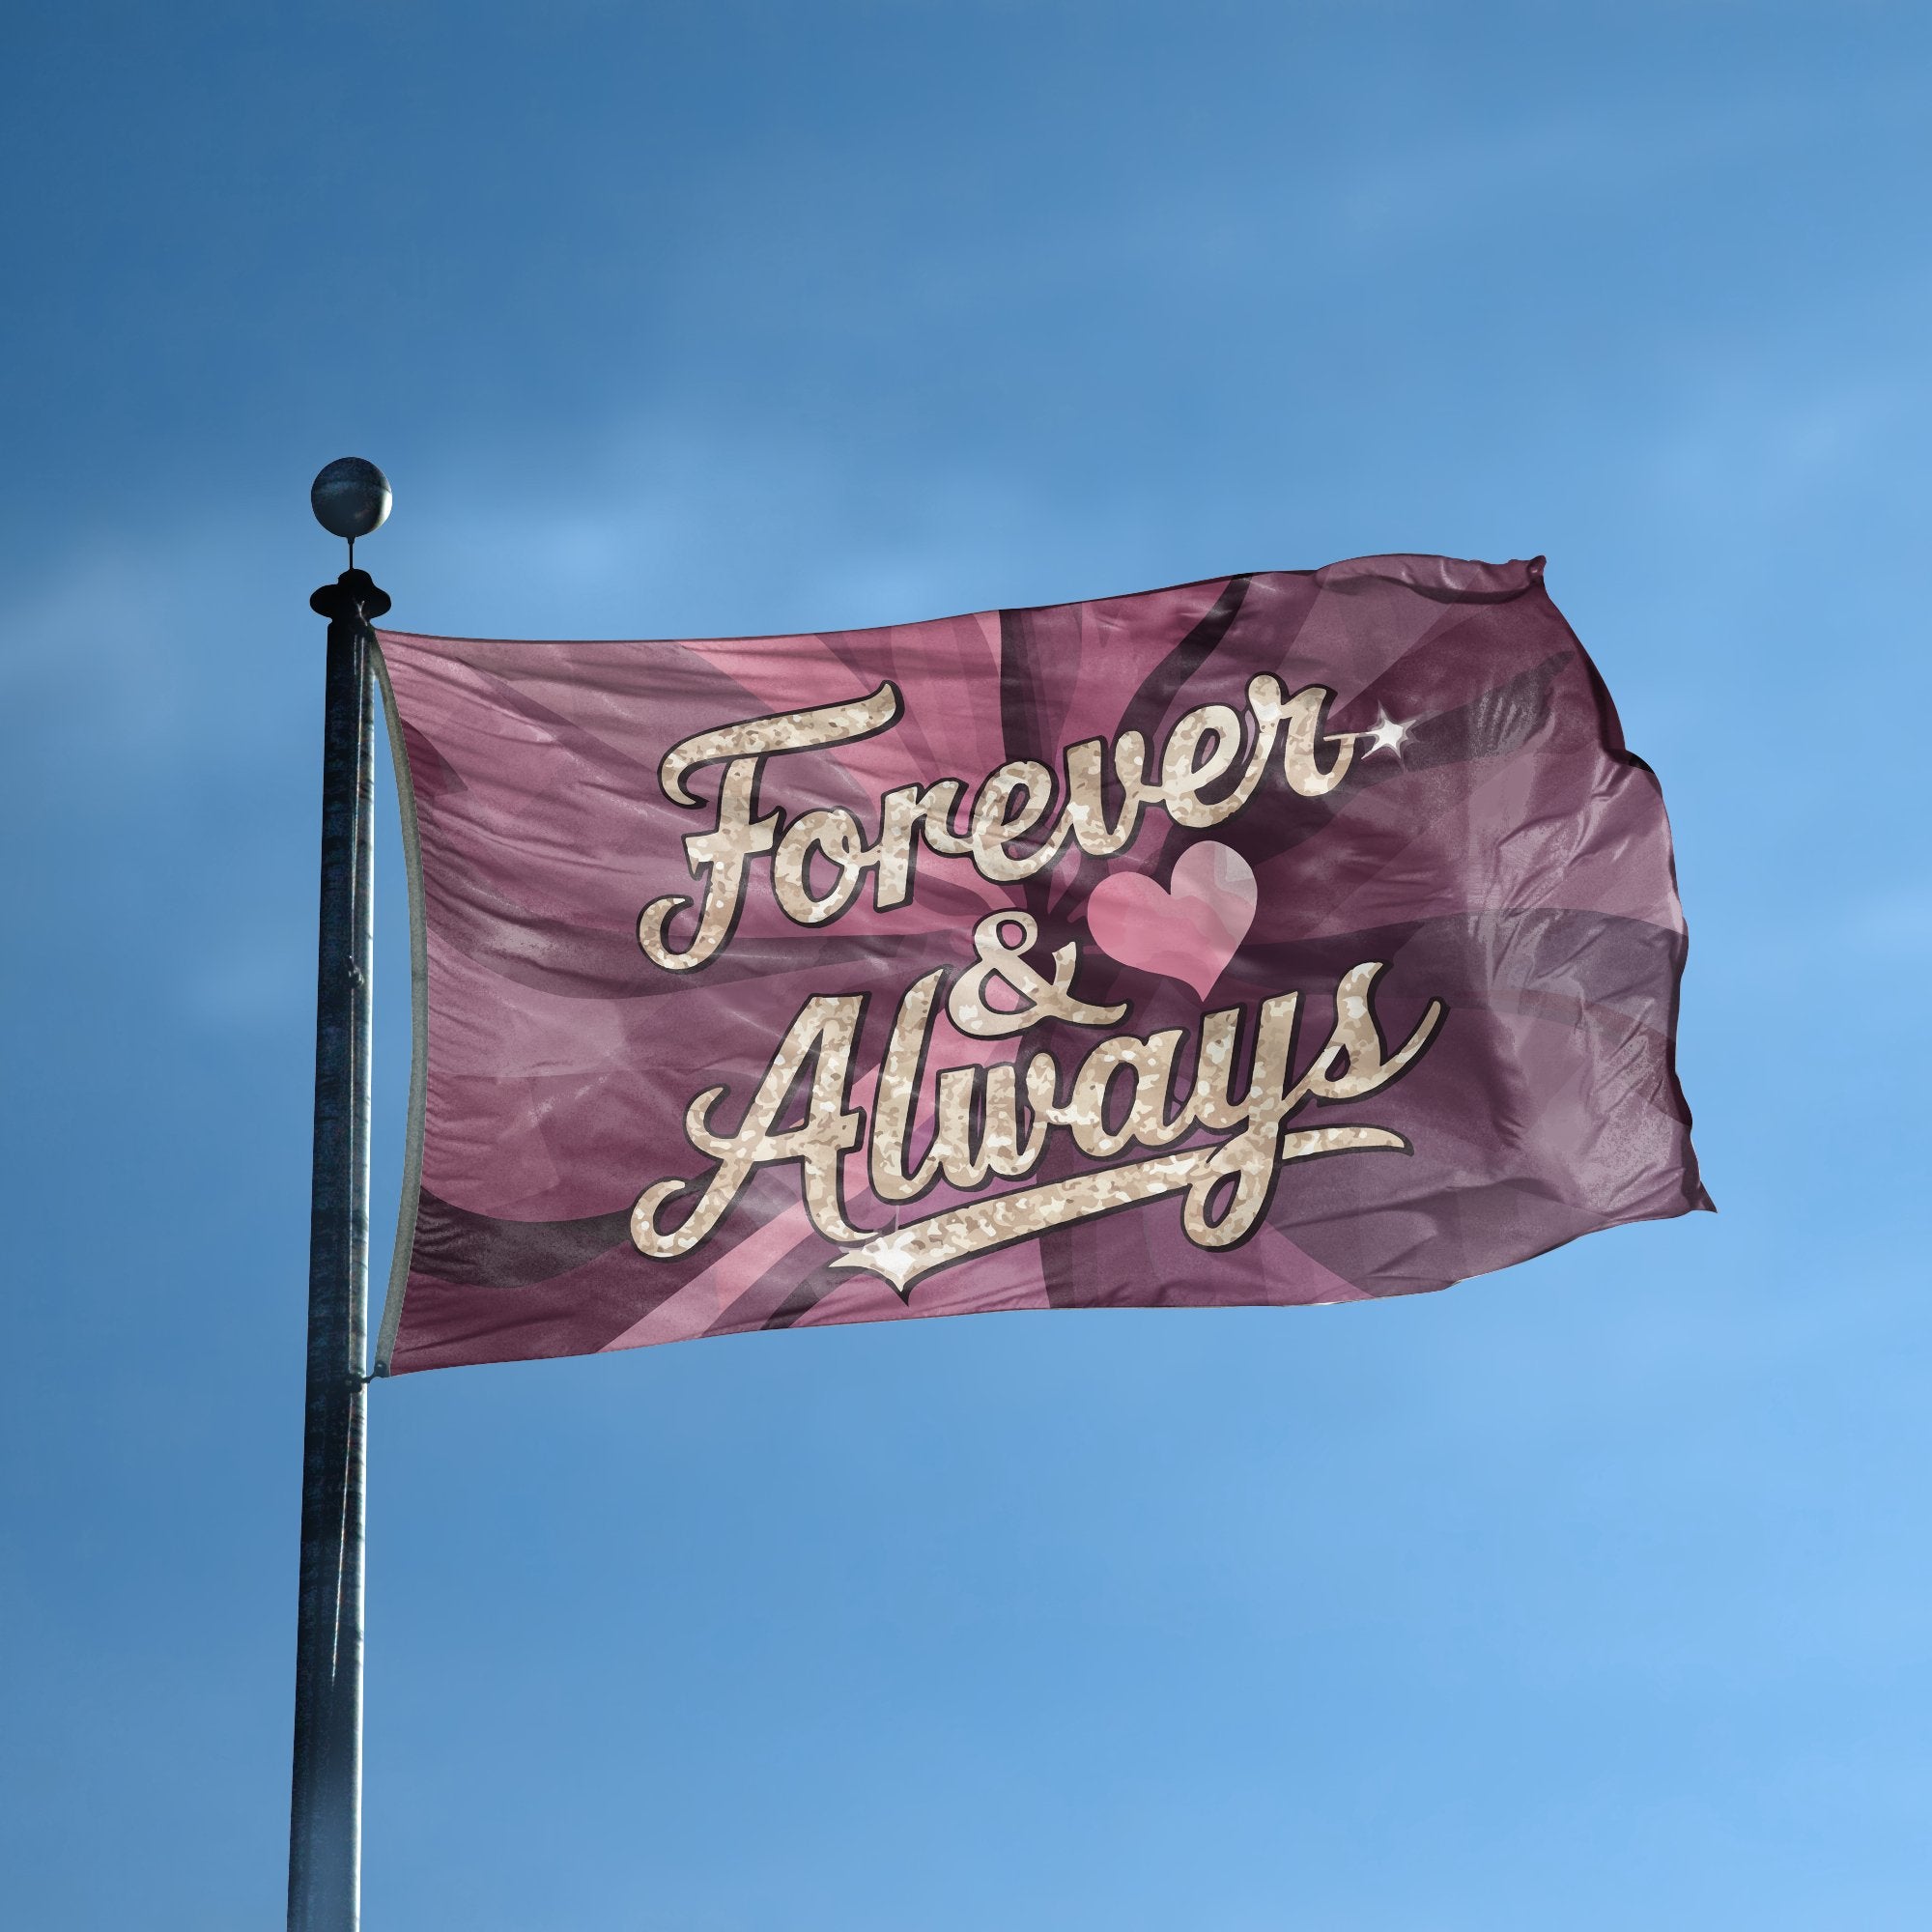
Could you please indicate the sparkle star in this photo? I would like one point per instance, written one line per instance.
(1387, 735)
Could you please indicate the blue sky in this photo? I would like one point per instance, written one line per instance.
(1591, 1595)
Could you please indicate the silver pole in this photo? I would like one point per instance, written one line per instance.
(325, 1814)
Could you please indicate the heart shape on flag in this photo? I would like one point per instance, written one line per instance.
(1187, 931)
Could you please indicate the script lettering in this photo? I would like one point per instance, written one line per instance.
(962, 1098)
(1020, 821)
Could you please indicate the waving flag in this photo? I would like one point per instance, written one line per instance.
(1300, 937)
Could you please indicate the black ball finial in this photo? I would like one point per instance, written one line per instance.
(349, 496)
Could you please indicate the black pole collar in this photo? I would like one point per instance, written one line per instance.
(355, 597)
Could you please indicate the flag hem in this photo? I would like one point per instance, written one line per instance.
(413, 1144)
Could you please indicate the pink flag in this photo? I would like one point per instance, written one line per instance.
(1301, 937)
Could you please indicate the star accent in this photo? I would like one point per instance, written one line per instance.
(1386, 736)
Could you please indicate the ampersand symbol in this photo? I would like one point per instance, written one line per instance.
(1039, 999)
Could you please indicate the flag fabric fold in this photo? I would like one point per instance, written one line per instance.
(1290, 938)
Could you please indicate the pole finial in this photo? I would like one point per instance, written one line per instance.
(349, 498)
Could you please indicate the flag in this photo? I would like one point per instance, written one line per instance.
(1301, 937)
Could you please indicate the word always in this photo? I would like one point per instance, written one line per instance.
(992, 1122)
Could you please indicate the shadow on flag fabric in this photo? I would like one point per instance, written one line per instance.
(1295, 938)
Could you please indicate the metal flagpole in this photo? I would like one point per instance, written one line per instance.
(350, 497)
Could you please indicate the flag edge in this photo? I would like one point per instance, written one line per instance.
(413, 1138)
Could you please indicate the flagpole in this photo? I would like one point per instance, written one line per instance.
(351, 498)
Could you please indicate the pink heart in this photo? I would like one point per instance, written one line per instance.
(1188, 932)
